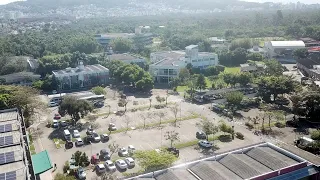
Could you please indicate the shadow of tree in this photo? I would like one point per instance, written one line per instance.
(225, 138)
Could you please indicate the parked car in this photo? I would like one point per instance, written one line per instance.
(63, 124)
(81, 173)
(131, 149)
(76, 134)
(69, 144)
(110, 166)
(205, 144)
(104, 154)
(100, 168)
(121, 164)
(53, 104)
(104, 137)
(57, 116)
(99, 104)
(129, 161)
(96, 137)
(94, 159)
(90, 130)
(201, 135)
(123, 152)
(79, 142)
(112, 127)
(55, 124)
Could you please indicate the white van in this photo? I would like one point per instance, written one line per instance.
(67, 135)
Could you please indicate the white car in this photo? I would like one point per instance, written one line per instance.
(79, 142)
(100, 168)
(112, 127)
(110, 165)
(205, 144)
(131, 149)
(76, 134)
(123, 152)
(96, 137)
(129, 161)
(121, 164)
(55, 124)
(53, 104)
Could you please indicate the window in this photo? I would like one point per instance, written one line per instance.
(212, 59)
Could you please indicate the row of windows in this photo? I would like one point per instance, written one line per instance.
(199, 60)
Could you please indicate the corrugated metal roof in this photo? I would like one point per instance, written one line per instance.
(287, 43)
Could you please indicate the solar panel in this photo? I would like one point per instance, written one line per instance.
(1, 128)
(8, 140)
(2, 158)
(9, 157)
(8, 128)
(1, 141)
(3, 176)
(11, 175)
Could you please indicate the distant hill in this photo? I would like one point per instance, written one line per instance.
(188, 4)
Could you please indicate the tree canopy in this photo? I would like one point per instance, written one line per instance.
(75, 108)
(152, 160)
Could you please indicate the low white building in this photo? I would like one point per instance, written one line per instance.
(166, 65)
(127, 58)
(282, 49)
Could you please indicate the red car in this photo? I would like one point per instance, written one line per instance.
(57, 116)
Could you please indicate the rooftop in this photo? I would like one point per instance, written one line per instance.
(170, 54)
(261, 161)
(117, 35)
(41, 162)
(287, 43)
(123, 57)
(88, 69)
(14, 77)
(192, 46)
(12, 156)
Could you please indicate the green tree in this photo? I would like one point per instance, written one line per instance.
(113, 147)
(255, 57)
(146, 83)
(275, 85)
(230, 78)
(201, 82)
(152, 160)
(306, 104)
(208, 127)
(273, 68)
(121, 45)
(244, 78)
(172, 136)
(225, 128)
(234, 99)
(184, 75)
(98, 90)
(315, 135)
(123, 103)
(160, 99)
(59, 176)
(75, 108)
(301, 53)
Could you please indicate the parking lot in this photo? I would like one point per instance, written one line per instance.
(142, 139)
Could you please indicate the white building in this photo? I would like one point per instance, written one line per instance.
(282, 48)
(81, 76)
(166, 65)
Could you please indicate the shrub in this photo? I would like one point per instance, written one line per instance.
(249, 125)
(239, 135)
(315, 135)
(66, 167)
(280, 124)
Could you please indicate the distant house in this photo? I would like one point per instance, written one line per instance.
(310, 42)
(257, 49)
(81, 76)
(310, 66)
(251, 67)
(20, 78)
(282, 49)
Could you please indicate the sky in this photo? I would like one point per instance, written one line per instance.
(283, 1)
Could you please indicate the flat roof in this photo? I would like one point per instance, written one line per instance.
(41, 162)
(243, 163)
(287, 43)
(170, 54)
(8, 116)
(117, 35)
(123, 57)
(88, 68)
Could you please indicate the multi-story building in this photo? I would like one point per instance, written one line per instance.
(166, 65)
(81, 76)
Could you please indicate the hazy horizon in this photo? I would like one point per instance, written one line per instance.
(3, 2)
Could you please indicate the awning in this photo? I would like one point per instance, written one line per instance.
(41, 162)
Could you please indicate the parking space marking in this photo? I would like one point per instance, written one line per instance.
(142, 148)
(150, 146)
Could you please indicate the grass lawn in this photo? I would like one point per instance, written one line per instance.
(209, 83)
(182, 88)
(232, 69)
